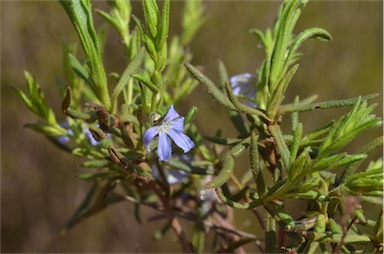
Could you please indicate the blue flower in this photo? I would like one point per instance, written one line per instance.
(173, 176)
(64, 140)
(244, 85)
(171, 127)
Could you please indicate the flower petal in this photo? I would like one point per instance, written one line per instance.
(155, 172)
(171, 114)
(91, 139)
(149, 135)
(63, 140)
(175, 176)
(178, 124)
(181, 140)
(172, 176)
(164, 148)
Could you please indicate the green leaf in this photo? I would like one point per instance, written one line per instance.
(152, 16)
(349, 159)
(260, 36)
(198, 238)
(191, 115)
(349, 171)
(244, 108)
(281, 216)
(221, 141)
(295, 115)
(159, 234)
(95, 163)
(80, 210)
(36, 101)
(317, 33)
(24, 98)
(295, 144)
(228, 164)
(79, 12)
(256, 167)
(285, 26)
(326, 163)
(278, 94)
(303, 159)
(281, 146)
(329, 237)
(216, 94)
(223, 74)
(163, 32)
(95, 176)
(239, 123)
(145, 80)
(237, 205)
(192, 20)
(177, 164)
(323, 105)
(129, 70)
(373, 200)
(109, 18)
(270, 235)
(47, 129)
(378, 229)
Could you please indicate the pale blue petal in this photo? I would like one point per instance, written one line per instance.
(171, 114)
(63, 140)
(244, 84)
(92, 140)
(155, 172)
(181, 140)
(164, 148)
(178, 124)
(64, 124)
(175, 176)
(240, 82)
(241, 78)
(70, 132)
(236, 90)
(149, 135)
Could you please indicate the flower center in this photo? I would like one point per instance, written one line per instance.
(165, 127)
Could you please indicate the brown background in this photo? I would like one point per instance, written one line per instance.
(38, 188)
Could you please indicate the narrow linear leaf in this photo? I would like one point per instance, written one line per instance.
(315, 32)
(84, 204)
(324, 105)
(295, 143)
(163, 33)
(228, 164)
(329, 237)
(131, 68)
(223, 74)
(242, 107)
(278, 94)
(237, 205)
(216, 94)
(365, 150)
(281, 146)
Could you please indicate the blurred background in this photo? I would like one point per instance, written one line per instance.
(38, 189)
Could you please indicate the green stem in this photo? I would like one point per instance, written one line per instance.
(270, 235)
(129, 92)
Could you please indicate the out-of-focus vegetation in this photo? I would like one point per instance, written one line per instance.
(39, 191)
